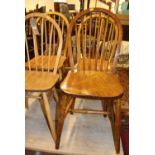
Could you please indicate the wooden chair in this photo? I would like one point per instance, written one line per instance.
(38, 76)
(93, 64)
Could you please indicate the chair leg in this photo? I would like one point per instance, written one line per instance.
(26, 103)
(59, 131)
(72, 106)
(55, 95)
(48, 116)
(60, 117)
(50, 95)
(104, 107)
(60, 74)
(26, 100)
(117, 125)
(44, 112)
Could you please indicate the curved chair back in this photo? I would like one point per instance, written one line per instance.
(98, 36)
(42, 33)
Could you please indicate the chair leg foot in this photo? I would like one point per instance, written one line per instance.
(59, 116)
(59, 131)
(57, 145)
(48, 116)
(117, 126)
(71, 112)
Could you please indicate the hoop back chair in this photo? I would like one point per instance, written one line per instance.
(40, 78)
(44, 49)
(93, 61)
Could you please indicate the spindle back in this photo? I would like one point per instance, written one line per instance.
(46, 40)
(97, 39)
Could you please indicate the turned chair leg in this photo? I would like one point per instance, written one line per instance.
(59, 131)
(117, 126)
(59, 118)
(47, 113)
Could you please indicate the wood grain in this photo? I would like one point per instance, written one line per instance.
(92, 84)
(39, 81)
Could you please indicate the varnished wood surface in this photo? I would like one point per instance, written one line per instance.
(92, 84)
(39, 81)
(93, 63)
(45, 60)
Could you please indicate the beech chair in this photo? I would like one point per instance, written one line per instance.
(63, 24)
(93, 68)
(38, 75)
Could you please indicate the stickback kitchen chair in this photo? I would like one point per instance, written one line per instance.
(93, 62)
(38, 75)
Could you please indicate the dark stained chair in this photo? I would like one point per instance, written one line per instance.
(93, 68)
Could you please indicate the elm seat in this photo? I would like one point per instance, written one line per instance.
(93, 66)
(84, 83)
(39, 81)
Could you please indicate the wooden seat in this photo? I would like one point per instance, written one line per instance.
(93, 68)
(38, 75)
(39, 81)
(84, 83)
